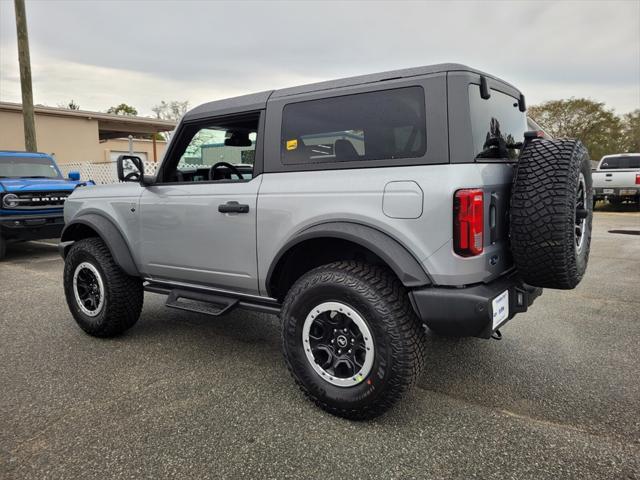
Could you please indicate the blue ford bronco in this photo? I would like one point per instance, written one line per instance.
(32, 196)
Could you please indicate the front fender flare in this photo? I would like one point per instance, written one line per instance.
(407, 268)
(107, 231)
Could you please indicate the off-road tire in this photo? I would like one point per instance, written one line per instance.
(543, 213)
(124, 293)
(377, 295)
(3, 247)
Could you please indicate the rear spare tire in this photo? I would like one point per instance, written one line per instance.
(551, 213)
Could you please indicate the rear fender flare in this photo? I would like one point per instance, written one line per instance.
(407, 268)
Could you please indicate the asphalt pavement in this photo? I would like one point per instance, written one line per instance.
(188, 396)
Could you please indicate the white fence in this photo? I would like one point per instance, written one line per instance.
(102, 173)
(106, 172)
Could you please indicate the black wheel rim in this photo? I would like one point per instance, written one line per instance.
(338, 344)
(88, 289)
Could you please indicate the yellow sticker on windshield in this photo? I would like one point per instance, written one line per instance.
(292, 144)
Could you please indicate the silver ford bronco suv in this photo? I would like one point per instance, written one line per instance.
(361, 211)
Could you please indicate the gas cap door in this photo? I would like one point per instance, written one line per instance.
(402, 199)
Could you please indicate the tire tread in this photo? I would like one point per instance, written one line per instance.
(389, 297)
(542, 213)
(125, 292)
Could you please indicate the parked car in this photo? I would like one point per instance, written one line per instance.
(617, 178)
(374, 205)
(32, 195)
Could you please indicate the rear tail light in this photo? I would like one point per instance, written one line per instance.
(468, 222)
(637, 178)
(534, 134)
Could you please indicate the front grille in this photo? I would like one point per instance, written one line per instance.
(39, 200)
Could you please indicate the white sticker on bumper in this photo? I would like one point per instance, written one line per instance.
(500, 306)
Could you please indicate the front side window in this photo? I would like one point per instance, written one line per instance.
(28, 167)
(222, 150)
(497, 124)
(386, 124)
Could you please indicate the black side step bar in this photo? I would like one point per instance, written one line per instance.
(210, 303)
(206, 303)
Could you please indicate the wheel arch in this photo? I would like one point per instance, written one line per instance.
(94, 225)
(328, 242)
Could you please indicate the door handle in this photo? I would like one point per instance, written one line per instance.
(233, 207)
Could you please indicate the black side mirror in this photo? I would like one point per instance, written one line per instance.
(130, 168)
(147, 180)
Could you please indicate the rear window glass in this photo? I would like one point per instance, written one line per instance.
(612, 163)
(386, 124)
(496, 123)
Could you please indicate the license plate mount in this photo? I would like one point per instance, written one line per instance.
(500, 309)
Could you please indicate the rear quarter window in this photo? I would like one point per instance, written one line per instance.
(388, 124)
(496, 123)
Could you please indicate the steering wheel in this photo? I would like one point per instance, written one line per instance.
(233, 169)
(132, 177)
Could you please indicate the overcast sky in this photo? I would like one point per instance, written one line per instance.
(104, 52)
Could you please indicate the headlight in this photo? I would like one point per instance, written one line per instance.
(10, 200)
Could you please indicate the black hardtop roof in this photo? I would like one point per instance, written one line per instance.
(256, 101)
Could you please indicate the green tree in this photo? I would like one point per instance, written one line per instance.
(598, 127)
(631, 132)
(123, 109)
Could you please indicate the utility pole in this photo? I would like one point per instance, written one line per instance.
(25, 78)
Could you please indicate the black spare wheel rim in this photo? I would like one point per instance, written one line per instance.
(581, 213)
(338, 344)
(88, 289)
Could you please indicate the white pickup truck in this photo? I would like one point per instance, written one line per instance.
(617, 178)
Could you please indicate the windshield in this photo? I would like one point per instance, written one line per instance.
(28, 167)
(623, 161)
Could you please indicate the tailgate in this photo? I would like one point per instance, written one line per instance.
(615, 179)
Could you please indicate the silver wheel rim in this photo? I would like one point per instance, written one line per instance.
(338, 344)
(581, 222)
(88, 289)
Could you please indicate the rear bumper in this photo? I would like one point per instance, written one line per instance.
(31, 227)
(468, 312)
(616, 191)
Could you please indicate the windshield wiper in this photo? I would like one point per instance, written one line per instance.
(35, 176)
